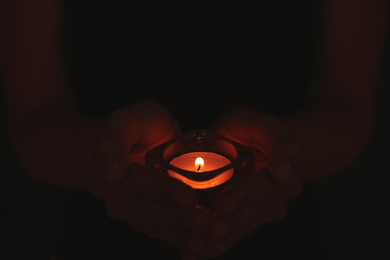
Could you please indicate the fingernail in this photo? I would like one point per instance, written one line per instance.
(283, 172)
(112, 168)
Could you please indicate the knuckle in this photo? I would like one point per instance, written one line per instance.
(281, 214)
(236, 237)
(215, 250)
(247, 214)
(137, 226)
(137, 221)
(114, 213)
(96, 190)
(297, 190)
(159, 211)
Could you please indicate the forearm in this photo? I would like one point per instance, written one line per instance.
(30, 56)
(51, 142)
(334, 131)
(332, 135)
(56, 146)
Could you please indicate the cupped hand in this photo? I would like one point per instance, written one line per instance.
(150, 202)
(262, 196)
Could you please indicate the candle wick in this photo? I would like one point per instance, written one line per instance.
(198, 168)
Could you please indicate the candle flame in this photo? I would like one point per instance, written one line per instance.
(199, 164)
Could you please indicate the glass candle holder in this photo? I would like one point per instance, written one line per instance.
(204, 161)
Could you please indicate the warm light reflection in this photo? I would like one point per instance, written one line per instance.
(199, 164)
(218, 180)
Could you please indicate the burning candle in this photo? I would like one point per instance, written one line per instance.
(202, 160)
(200, 163)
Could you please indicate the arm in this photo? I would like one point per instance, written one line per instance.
(43, 124)
(334, 130)
(324, 138)
(59, 147)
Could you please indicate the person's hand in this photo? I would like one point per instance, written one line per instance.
(262, 196)
(160, 206)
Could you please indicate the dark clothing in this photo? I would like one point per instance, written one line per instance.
(198, 63)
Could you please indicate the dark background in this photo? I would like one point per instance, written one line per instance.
(356, 202)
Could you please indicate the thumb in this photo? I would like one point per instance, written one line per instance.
(282, 162)
(108, 168)
(137, 153)
(282, 172)
(114, 170)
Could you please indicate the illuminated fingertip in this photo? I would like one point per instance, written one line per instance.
(139, 149)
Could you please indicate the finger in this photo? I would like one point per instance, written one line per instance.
(140, 127)
(154, 115)
(129, 211)
(283, 165)
(252, 217)
(215, 249)
(106, 169)
(245, 229)
(115, 209)
(237, 236)
(250, 127)
(150, 184)
(292, 190)
(162, 221)
(218, 248)
(166, 223)
(185, 255)
(137, 208)
(184, 240)
(242, 224)
(127, 135)
(178, 193)
(193, 220)
(139, 182)
(219, 228)
(283, 161)
(251, 189)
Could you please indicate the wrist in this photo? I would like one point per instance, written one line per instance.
(55, 146)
